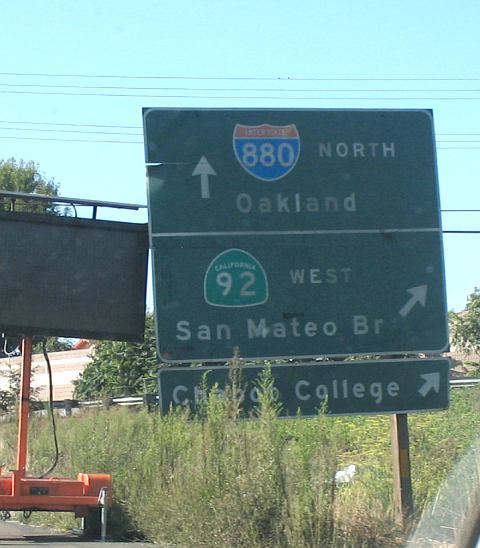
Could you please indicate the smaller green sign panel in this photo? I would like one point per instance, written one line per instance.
(319, 295)
(338, 388)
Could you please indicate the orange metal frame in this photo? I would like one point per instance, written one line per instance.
(19, 492)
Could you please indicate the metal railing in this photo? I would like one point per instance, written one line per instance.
(463, 383)
(150, 401)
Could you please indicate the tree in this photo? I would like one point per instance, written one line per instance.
(121, 368)
(26, 177)
(465, 326)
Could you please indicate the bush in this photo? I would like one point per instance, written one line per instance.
(217, 480)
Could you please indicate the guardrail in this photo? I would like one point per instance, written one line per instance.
(150, 401)
(463, 383)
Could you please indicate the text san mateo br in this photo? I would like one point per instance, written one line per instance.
(261, 328)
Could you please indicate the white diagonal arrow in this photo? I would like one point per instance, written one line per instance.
(432, 382)
(418, 295)
(204, 169)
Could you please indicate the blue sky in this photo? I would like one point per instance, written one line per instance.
(342, 54)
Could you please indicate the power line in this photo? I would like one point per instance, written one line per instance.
(130, 133)
(67, 124)
(116, 126)
(137, 134)
(237, 78)
(70, 140)
(217, 89)
(235, 97)
(71, 131)
(16, 138)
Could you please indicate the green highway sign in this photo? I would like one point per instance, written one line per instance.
(294, 233)
(341, 388)
(325, 295)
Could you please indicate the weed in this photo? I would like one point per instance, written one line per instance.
(215, 480)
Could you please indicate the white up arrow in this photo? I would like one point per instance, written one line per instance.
(432, 382)
(418, 295)
(204, 169)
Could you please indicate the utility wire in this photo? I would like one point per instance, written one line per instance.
(140, 134)
(234, 97)
(71, 140)
(84, 131)
(112, 141)
(66, 124)
(116, 126)
(237, 78)
(263, 90)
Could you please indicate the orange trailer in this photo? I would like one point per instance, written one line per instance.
(89, 496)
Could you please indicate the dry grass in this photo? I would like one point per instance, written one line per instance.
(219, 481)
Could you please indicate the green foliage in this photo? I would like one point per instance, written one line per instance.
(26, 177)
(465, 326)
(53, 344)
(218, 481)
(9, 397)
(438, 440)
(121, 368)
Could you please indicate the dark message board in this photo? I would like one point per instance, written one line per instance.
(61, 276)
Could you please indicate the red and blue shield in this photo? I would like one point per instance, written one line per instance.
(267, 152)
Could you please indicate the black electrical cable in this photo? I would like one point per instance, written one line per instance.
(5, 348)
(52, 416)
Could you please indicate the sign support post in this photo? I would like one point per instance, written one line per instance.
(402, 482)
(22, 438)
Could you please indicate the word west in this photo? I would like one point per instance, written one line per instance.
(301, 276)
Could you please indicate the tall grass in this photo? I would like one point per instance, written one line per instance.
(217, 480)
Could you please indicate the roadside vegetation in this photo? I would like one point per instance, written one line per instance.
(216, 480)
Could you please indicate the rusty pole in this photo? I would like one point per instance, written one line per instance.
(24, 406)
